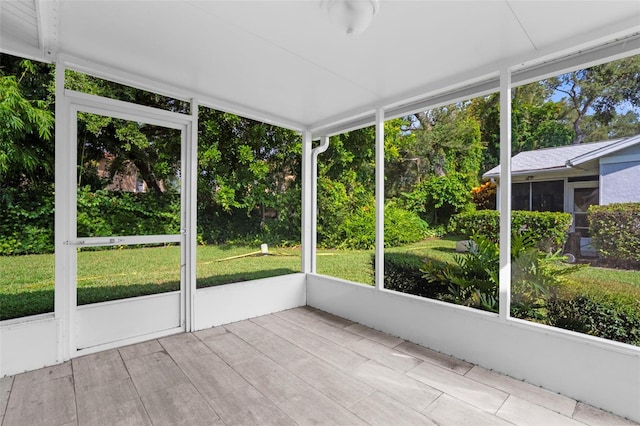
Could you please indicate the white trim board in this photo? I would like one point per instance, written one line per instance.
(229, 303)
(28, 345)
(620, 159)
(108, 322)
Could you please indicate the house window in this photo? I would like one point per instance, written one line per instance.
(547, 196)
(538, 196)
(521, 196)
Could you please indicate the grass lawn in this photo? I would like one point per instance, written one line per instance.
(26, 283)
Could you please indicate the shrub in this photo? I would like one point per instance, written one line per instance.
(608, 318)
(615, 232)
(473, 279)
(26, 220)
(484, 196)
(358, 229)
(438, 198)
(105, 213)
(403, 227)
(548, 228)
(402, 273)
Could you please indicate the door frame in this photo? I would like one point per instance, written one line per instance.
(68, 104)
(585, 242)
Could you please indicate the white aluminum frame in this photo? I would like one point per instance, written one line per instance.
(68, 104)
(379, 263)
(505, 195)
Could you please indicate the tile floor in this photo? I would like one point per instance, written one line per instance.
(300, 366)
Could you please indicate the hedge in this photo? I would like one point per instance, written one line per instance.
(550, 228)
(597, 311)
(402, 273)
(26, 220)
(595, 316)
(615, 232)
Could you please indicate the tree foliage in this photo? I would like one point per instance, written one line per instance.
(598, 92)
(249, 172)
(26, 146)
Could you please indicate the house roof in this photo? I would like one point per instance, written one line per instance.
(285, 62)
(564, 157)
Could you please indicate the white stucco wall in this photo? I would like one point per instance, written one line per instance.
(620, 177)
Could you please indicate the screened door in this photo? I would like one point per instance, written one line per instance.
(582, 196)
(127, 234)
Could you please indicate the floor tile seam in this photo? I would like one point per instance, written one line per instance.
(430, 361)
(406, 376)
(275, 404)
(247, 381)
(402, 371)
(502, 405)
(278, 404)
(374, 390)
(297, 375)
(463, 376)
(75, 393)
(11, 394)
(204, 398)
(318, 334)
(433, 402)
(37, 382)
(377, 341)
(176, 361)
(462, 401)
(221, 359)
(323, 319)
(575, 410)
(6, 405)
(304, 349)
(141, 395)
(540, 406)
(517, 395)
(258, 325)
(135, 388)
(468, 402)
(397, 401)
(310, 383)
(165, 350)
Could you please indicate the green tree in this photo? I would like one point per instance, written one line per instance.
(26, 145)
(598, 91)
(248, 172)
(535, 119)
(153, 150)
(536, 122)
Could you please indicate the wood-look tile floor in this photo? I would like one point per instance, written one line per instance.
(300, 366)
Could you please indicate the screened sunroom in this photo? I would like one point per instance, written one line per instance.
(319, 68)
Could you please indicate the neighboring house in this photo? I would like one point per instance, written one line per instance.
(126, 180)
(572, 178)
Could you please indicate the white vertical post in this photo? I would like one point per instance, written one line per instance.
(505, 193)
(65, 214)
(307, 204)
(324, 144)
(190, 212)
(379, 263)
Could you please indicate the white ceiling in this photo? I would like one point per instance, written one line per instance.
(285, 61)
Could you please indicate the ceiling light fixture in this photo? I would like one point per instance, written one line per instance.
(353, 16)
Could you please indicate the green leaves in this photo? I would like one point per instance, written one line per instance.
(615, 229)
(27, 128)
(473, 278)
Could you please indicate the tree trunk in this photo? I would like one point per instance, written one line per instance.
(579, 138)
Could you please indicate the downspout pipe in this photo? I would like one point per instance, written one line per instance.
(324, 145)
